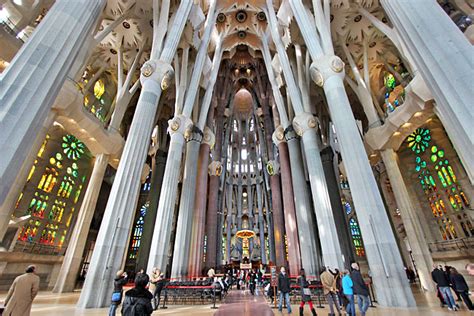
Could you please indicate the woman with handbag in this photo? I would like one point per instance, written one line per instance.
(119, 281)
(305, 293)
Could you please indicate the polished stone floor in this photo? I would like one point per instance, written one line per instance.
(236, 303)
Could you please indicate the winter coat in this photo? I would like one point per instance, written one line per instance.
(283, 283)
(21, 295)
(304, 284)
(440, 278)
(119, 282)
(459, 283)
(328, 282)
(359, 286)
(347, 285)
(137, 302)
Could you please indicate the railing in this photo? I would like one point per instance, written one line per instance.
(455, 244)
(10, 28)
(38, 248)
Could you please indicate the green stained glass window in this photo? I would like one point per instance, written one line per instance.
(72, 147)
(419, 140)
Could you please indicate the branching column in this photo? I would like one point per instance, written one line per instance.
(112, 240)
(443, 55)
(382, 251)
(29, 86)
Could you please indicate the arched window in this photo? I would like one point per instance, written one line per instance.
(356, 237)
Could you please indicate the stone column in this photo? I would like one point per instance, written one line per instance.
(294, 256)
(416, 239)
(29, 86)
(112, 240)
(447, 69)
(186, 206)
(327, 158)
(261, 228)
(306, 229)
(199, 216)
(72, 259)
(381, 248)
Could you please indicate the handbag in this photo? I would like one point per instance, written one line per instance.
(116, 297)
(306, 291)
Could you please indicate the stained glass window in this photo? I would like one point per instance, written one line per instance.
(356, 237)
(394, 94)
(99, 88)
(348, 208)
(48, 180)
(438, 181)
(138, 231)
(72, 147)
(29, 231)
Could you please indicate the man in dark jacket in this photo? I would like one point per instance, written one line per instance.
(360, 289)
(284, 290)
(440, 278)
(460, 286)
(138, 300)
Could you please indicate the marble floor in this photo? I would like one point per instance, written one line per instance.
(237, 303)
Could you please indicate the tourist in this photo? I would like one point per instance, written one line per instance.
(22, 292)
(460, 286)
(137, 301)
(447, 271)
(348, 291)
(305, 293)
(211, 273)
(360, 289)
(330, 291)
(154, 275)
(284, 290)
(120, 280)
(440, 278)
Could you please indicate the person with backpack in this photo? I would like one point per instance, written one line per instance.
(137, 300)
(305, 293)
(461, 288)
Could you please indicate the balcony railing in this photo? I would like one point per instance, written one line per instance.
(463, 244)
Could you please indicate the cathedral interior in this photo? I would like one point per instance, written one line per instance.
(186, 135)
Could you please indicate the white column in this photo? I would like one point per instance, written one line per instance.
(30, 84)
(416, 238)
(186, 207)
(112, 240)
(382, 251)
(443, 56)
(72, 259)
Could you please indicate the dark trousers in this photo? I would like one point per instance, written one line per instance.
(467, 300)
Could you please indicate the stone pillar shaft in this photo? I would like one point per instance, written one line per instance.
(30, 84)
(291, 228)
(416, 239)
(72, 259)
(199, 218)
(186, 208)
(423, 27)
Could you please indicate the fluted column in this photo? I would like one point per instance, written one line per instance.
(186, 206)
(381, 248)
(112, 240)
(261, 228)
(291, 228)
(414, 231)
(447, 69)
(30, 84)
(199, 216)
(72, 259)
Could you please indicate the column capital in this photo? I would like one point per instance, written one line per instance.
(208, 138)
(325, 67)
(278, 135)
(180, 124)
(193, 134)
(215, 168)
(304, 122)
(159, 71)
(273, 167)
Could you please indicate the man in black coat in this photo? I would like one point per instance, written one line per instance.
(440, 278)
(360, 289)
(138, 300)
(284, 290)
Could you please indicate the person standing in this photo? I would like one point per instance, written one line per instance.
(305, 293)
(120, 280)
(440, 278)
(22, 293)
(461, 287)
(137, 301)
(329, 288)
(211, 273)
(284, 290)
(360, 289)
(154, 278)
(348, 291)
